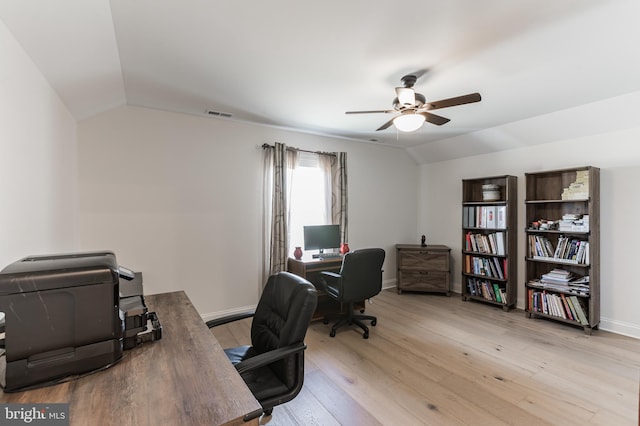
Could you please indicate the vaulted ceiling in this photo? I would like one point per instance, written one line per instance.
(301, 65)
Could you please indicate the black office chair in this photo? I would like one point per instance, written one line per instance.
(273, 367)
(360, 278)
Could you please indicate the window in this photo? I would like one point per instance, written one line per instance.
(301, 188)
(310, 202)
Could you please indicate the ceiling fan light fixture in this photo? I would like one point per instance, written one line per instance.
(406, 96)
(409, 122)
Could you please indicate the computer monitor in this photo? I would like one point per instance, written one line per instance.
(321, 237)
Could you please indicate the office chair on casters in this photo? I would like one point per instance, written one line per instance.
(360, 278)
(273, 366)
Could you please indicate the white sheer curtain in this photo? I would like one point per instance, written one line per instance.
(324, 164)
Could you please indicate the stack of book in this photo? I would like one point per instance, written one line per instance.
(578, 190)
(580, 285)
(565, 281)
(574, 223)
(557, 276)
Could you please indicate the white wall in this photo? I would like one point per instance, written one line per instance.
(617, 153)
(179, 198)
(37, 160)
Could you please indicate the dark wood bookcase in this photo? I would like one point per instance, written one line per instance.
(489, 240)
(562, 235)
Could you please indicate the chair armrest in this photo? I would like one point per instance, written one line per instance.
(330, 275)
(229, 318)
(327, 278)
(269, 357)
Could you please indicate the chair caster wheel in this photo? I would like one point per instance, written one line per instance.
(325, 321)
(365, 335)
(374, 322)
(332, 333)
(268, 412)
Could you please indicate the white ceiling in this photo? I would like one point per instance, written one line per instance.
(301, 65)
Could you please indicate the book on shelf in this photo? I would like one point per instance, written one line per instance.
(580, 311)
(501, 217)
(500, 243)
(548, 304)
(484, 266)
(489, 217)
(496, 292)
(481, 217)
(468, 244)
(571, 222)
(466, 223)
(564, 281)
(566, 306)
(569, 250)
(558, 305)
(578, 190)
(471, 285)
(558, 276)
(574, 314)
(492, 243)
(498, 268)
(500, 293)
(487, 290)
(490, 213)
(540, 246)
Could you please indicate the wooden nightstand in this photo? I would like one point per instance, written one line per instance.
(423, 268)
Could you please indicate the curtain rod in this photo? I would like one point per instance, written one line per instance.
(266, 146)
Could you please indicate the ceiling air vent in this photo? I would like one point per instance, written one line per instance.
(219, 114)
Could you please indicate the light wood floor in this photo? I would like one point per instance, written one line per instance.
(436, 360)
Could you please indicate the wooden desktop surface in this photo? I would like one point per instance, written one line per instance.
(184, 378)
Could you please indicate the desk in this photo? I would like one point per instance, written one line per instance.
(310, 268)
(184, 378)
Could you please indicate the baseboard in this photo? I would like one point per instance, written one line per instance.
(387, 284)
(618, 327)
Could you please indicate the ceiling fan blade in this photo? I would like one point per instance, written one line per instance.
(459, 100)
(434, 119)
(386, 125)
(387, 111)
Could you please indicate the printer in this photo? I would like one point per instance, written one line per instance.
(69, 314)
(140, 325)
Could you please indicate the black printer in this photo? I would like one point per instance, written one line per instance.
(140, 325)
(65, 315)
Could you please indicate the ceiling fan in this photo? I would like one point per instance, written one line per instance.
(412, 108)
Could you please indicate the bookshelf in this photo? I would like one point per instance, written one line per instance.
(562, 253)
(489, 240)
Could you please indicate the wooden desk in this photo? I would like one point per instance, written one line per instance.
(310, 268)
(182, 379)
